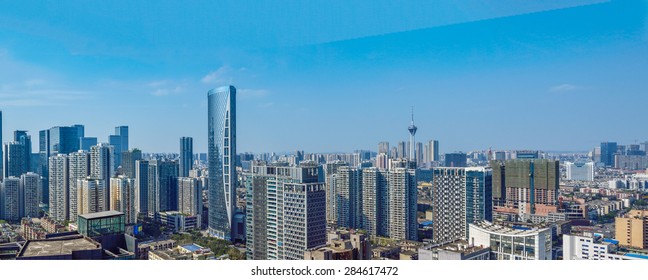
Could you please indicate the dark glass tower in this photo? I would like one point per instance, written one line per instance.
(186, 156)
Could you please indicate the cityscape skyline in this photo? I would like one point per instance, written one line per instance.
(504, 68)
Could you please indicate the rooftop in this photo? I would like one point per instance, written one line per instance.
(55, 247)
(99, 215)
(192, 247)
(510, 231)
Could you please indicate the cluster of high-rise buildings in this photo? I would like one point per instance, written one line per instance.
(73, 175)
(478, 205)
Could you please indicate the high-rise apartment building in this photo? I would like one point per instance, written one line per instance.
(222, 157)
(383, 148)
(189, 196)
(632, 229)
(30, 184)
(122, 198)
(91, 196)
(375, 202)
(79, 169)
(330, 178)
(186, 156)
(433, 149)
(401, 150)
(58, 187)
(286, 211)
(102, 157)
(10, 199)
(402, 204)
(460, 196)
(349, 197)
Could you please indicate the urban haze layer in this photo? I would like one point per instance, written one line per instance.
(79, 199)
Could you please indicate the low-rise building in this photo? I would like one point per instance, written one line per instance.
(342, 245)
(456, 251)
(512, 243)
(179, 222)
(182, 252)
(591, 246)
(72, 247)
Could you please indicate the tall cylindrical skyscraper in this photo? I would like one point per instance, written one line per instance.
(222, 159)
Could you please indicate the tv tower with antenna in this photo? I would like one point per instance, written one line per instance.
(412, 130)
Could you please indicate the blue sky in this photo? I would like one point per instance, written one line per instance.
(327, 76)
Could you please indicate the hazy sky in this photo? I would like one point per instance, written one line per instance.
(325, 76)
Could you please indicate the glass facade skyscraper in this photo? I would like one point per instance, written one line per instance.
(186, 156)
(222, 155)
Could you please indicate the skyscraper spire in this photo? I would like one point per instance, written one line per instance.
(412, 130)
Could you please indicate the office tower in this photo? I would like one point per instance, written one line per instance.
(412, 130)
(79, 169)
(461, 196)
(393, 152)
(30, 184)
(189, 196)
(53, 141)
(433, 146)
(102, 167)
(501, 156)
(608, 150)
(222, 152)
(11, 199)
(15, 163)
(402, 204)
(526, 187)
(401, 151)
(286, 211)
(142, 186)
(163, 186)
(122, 198)
(580, 171)
(349, 197)
(58, 187)
(632, 229)
(129, 159)
(375, 202)
(186, 156)
(330, 178)
(86, 143)
(21, 137)
(91, 196)
(456, 160)
(383, 148)
(119, 141)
